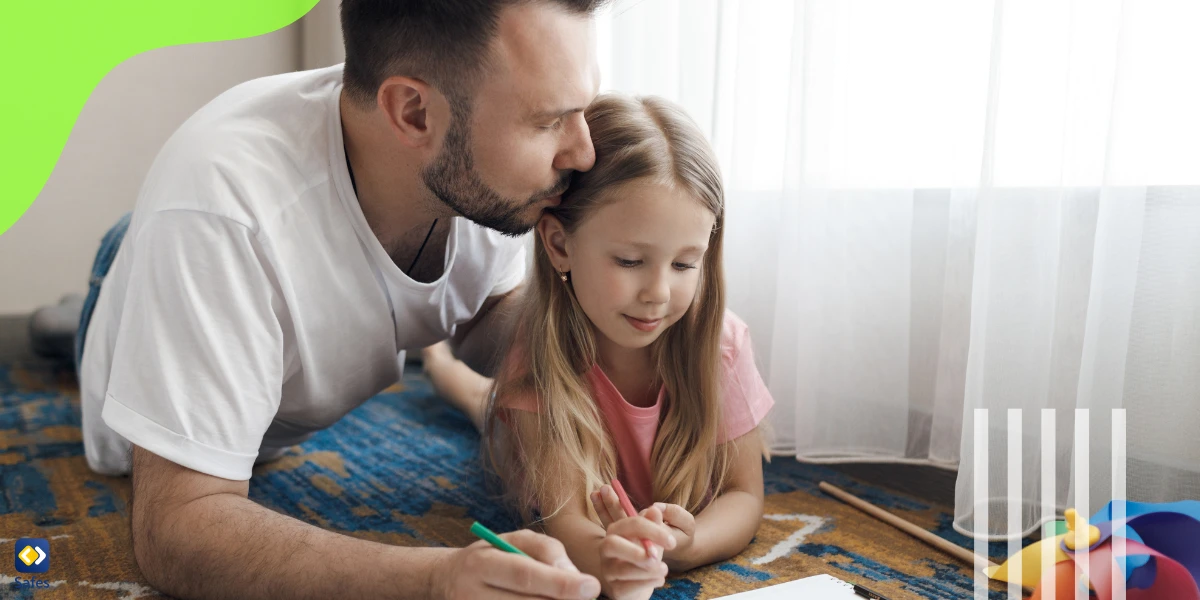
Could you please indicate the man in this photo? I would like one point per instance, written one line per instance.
(291, 240)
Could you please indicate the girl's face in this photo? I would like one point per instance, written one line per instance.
(635, 262)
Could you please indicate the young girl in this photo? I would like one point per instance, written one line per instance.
(625, 364)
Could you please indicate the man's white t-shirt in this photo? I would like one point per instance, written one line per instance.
(250, 304)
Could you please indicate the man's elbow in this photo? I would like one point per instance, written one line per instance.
(149, 552)
(162, 547)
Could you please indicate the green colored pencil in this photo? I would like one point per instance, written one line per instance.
(487, 535)
(490, 537)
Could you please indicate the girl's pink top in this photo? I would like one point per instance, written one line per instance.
(744, 395)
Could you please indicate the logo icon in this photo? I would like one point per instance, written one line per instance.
(32, 555)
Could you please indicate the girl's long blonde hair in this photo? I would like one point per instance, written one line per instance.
(635, 139)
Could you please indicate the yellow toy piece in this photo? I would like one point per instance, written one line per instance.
(1078, 525)
(1079, 535)
(1031, 563)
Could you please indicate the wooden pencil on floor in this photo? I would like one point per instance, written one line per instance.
(907, 527)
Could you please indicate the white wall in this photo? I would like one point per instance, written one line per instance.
(322, 33)
(128, 117)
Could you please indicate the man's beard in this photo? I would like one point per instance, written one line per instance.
(453, 179)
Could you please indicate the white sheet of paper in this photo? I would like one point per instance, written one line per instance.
(817, 587)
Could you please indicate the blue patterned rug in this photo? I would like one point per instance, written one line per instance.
(404, 469)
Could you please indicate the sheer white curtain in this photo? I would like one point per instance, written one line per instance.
(937, 206)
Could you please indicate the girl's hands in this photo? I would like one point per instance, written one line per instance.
(628, 572)
(607, 505)
(683, 528)
(682, 523)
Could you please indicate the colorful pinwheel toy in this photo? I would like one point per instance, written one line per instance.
(1160, 560)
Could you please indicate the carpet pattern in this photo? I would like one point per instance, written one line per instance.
(403, 469)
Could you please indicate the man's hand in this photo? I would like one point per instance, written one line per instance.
(481, 571)
(198, 536)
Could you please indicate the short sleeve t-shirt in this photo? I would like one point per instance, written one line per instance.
(250, 304)
(745, 400)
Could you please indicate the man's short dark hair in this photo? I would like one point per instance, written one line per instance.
(442, 42)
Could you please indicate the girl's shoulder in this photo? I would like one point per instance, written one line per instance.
(735, 337)
(746, 398)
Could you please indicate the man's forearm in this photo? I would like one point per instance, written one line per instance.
(226, 546)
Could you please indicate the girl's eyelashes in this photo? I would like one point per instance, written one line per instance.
(629, 264)
(552, 126)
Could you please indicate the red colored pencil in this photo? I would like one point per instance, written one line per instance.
(630, 512)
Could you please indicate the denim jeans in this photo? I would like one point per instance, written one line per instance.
(104, 260)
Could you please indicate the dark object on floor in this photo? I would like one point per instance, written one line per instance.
(52, 328)
(14, 342)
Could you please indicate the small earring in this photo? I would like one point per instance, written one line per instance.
(563, 276)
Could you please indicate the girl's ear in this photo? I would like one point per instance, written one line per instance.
(554, 239)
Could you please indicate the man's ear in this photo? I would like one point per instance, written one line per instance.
(553, 237)
(414, 109)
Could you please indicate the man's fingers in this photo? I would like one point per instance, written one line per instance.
(541, 548)
(499, 594)
(550, 574)
(525, 577)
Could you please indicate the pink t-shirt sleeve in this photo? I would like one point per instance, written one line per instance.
(745, 395)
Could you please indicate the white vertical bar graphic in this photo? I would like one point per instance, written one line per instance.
(1015, 500)
(1082, 487)
(1049, 491)
(982, 502)
(1119, 454)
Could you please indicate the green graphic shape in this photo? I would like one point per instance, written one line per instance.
(54, 52)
